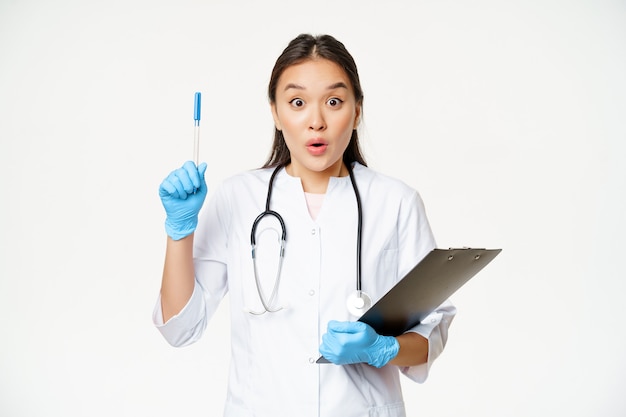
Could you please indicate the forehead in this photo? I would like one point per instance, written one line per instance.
(313, 73)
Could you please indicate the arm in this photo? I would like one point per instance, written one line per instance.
(421, 345)
(182, 194)
(178, 276)
(433, 329)
(413, 350)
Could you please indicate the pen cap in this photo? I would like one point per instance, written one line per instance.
(196, 107)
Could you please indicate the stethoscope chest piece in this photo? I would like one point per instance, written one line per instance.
(358, 303)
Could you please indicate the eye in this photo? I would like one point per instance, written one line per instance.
(297, 102)
(334, 102)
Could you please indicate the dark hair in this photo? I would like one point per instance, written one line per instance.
(300, 49)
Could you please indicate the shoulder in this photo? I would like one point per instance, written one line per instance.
(245, 180)
(377, 182)
(240, 188)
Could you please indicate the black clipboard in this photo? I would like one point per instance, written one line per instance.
(431, 282)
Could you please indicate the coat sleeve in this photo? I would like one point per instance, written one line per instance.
(209, 260)
(416, 246)
(434, 328)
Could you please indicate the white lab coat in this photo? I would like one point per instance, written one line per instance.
(273, 370)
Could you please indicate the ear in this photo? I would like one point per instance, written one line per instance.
(275, 116)
(357, 116)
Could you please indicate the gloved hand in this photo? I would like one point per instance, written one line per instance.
(353, 342)
(182, 195)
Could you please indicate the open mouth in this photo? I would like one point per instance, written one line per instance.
(317, 147)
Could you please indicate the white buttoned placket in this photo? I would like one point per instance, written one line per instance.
(314, 276)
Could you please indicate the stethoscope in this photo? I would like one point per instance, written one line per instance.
(358, 302)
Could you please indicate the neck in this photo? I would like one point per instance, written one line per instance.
(316, 182)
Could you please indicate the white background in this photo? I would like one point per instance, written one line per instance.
(508, 117)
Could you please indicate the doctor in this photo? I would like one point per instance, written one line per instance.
(329, 235)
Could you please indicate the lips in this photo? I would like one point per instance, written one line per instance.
(316, 146)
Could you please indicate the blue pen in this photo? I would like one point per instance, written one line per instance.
(196, 129)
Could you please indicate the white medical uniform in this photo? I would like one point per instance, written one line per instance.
(273, 371)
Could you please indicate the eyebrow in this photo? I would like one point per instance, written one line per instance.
(339, 84)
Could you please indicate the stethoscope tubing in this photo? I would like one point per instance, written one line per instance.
(359, 227)
(269, 212)
(267, 304)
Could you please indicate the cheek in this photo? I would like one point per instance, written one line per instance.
(346, 124)
(293, 123)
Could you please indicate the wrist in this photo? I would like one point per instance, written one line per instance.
(180, 229)
(388, 349)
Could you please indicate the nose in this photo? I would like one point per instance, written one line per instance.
(317, 121)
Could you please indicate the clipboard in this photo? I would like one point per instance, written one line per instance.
(431, 282)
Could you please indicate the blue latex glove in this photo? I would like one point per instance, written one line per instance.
(353, 342)
(182, 194)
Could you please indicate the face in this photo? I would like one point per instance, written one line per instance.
(316, 111)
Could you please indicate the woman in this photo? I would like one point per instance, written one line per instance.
(285, 311)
